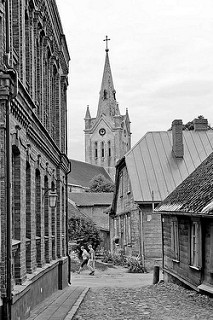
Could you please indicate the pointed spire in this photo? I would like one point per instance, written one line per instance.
(87, 116)
(127, 115)
(107, 101)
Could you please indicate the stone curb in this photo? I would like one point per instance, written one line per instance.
(75, 307)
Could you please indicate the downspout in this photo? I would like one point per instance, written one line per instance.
(142, 237)
(67, 239)
(8, 299)
(162, 221)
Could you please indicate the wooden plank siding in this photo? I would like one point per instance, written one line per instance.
(182, 268)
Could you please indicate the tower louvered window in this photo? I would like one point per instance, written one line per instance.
(102, 149)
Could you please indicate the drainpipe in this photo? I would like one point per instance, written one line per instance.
(142, 237)
(7, 301)
(162, 221)
(67, 239)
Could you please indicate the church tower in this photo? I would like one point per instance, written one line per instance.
(108, 136)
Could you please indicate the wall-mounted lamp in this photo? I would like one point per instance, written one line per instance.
(52, 196)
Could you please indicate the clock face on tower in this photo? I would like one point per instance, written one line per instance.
(102, 131)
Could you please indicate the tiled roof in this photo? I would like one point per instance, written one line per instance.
(153, 169)
(194, 194)
(91, 199)
(82, 173)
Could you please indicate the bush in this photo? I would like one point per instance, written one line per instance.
(134, 265)
(117, 259)
(84, 232)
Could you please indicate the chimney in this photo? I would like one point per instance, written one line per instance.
(200, 124)
(177, 138)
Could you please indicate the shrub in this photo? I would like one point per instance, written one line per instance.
(134, 265)
(83, 231)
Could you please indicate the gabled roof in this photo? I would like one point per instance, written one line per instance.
(155, 172)
(82, 173)
(91, 198)
(194, 194)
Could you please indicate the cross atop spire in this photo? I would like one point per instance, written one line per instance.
(107, 39)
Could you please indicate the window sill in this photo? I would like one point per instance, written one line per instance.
(195, 268)
(175, 260)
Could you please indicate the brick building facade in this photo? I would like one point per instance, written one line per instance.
(33, 136)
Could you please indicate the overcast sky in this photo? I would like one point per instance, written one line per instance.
(161, 56)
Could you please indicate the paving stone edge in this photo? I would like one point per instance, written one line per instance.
(75, 307)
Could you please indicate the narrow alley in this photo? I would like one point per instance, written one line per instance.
(117, 295)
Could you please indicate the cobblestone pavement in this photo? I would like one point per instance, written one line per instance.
(155, 302)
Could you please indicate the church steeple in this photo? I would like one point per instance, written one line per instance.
(107, 101)
(108, 136)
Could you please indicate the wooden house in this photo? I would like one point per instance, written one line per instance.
(145, 176)
(187, 230)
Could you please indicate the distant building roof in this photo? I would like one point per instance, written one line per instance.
(153, 169)
(82, 173)
(73, 211)
(91, 199)
(194, 194)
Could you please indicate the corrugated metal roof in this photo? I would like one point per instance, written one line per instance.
(152, 166)
(91, 198)
(82, 173)
(194, 194)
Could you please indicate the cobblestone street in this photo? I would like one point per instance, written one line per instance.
(155, 302)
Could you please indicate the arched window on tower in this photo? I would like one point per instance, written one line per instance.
(105, 95)
(96, 150)
(109, 148)
(102, 149)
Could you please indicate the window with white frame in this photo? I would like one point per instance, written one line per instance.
(195, 245)
(175, 246)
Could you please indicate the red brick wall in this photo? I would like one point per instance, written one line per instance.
(37, 140)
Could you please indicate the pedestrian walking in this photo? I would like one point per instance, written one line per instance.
(85, 257)
(91, 259)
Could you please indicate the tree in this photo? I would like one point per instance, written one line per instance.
(190, 125)
(101, 184)
(83, 231)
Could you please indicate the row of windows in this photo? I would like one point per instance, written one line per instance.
(44, 227)
(102, 148)
(39, 71)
